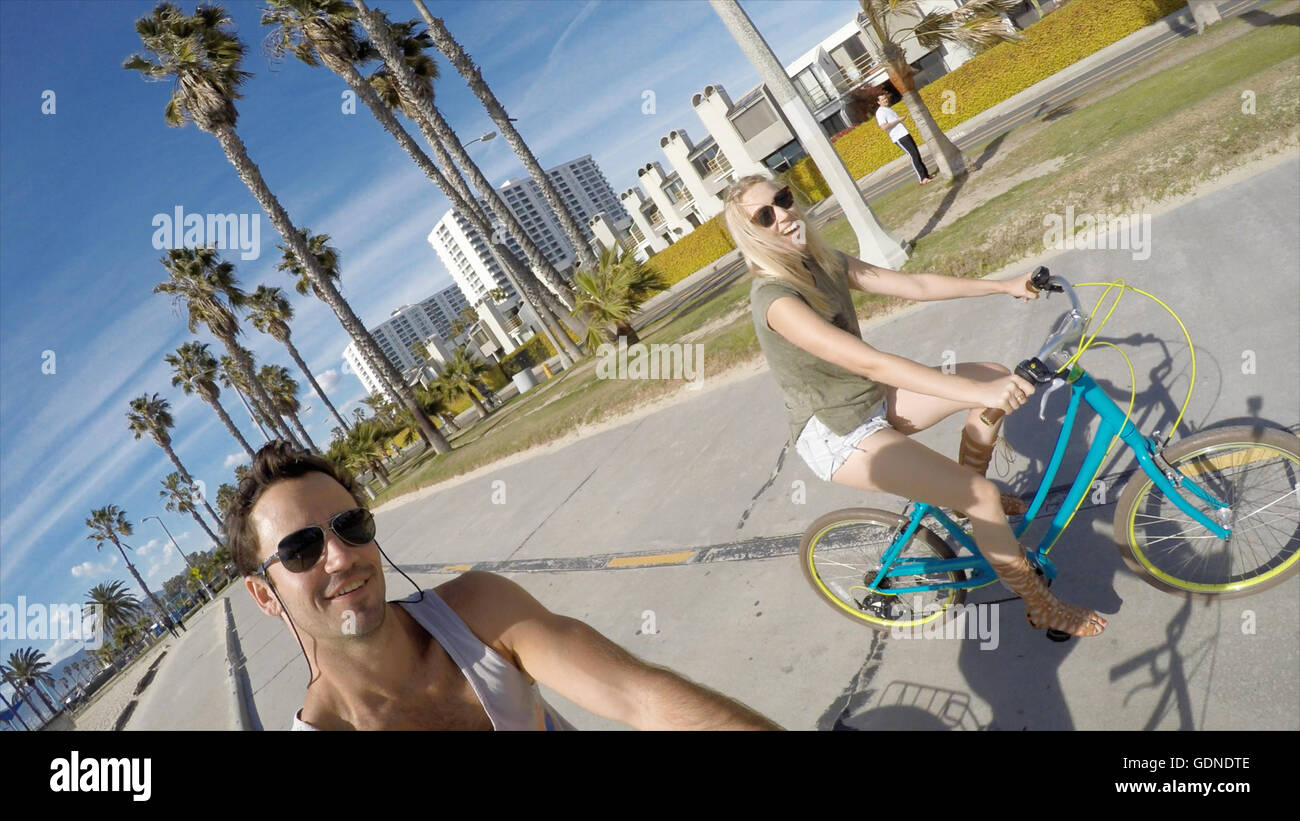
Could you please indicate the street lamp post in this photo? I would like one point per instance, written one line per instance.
(206, 589)
(875, 244)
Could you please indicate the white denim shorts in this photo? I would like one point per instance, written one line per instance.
(826, 452)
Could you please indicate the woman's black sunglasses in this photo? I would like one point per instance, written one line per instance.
(300, 550)
(765, 216)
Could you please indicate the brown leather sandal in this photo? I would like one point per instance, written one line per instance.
(977, 457)
(1042, 609)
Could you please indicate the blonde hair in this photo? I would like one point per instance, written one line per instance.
(769, 256)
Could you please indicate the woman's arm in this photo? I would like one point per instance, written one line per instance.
(873, 279)
(798, 323)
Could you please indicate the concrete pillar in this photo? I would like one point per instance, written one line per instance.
(712, 107)
(632, 203)
(875, 244)
(677, 147)
(652, 180)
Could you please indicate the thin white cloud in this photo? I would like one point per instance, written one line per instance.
(233, 459)
(94, 569)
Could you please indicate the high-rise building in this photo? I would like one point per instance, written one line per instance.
(404, 327)
(465, 253)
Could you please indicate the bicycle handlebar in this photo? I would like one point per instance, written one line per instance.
(1069, 330)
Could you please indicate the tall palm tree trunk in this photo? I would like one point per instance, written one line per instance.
(302, 432)
(230, 426)
(185, 474)
(891, 55)
(460, 199)
(438, 134)
(302, 366)
(195, 513)
(257, 420)
(249, 173)
(166, 617)
(465, 65)
(244, 361)
(22, 697)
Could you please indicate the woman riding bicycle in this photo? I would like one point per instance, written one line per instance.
(852, 407)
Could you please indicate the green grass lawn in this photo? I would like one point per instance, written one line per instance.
(1156, 138)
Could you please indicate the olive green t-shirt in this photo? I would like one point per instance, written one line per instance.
(841, 399)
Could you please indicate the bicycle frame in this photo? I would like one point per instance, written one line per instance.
(1114, 422)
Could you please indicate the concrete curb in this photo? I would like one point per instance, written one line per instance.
(235, 671)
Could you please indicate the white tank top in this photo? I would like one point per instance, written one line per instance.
(507, 697)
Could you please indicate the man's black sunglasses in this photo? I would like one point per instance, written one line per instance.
(765, 216)
(300, 550)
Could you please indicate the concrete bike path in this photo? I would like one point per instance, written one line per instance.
(683, 477)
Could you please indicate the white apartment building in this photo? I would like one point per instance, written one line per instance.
(750, 135)
(587, 195)
(431, 317)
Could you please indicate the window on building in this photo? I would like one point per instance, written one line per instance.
(754, 119)
(785, 156)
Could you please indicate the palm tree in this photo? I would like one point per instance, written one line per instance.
(465, 65)
(461, 375)
(327, 260)
(26, 668)
(381, 409)
(225, 495)
(270, 313)
(231, 377)
(365, 448)
(179, 498)
(975, 24)
(612, 294)
(196, 372)
(206, 285)
(323, 32)
(436, 402)
(203, 57)
(152, 415)
(109, 524)
(283, 390)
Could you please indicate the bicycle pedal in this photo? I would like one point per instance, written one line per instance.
(1058, 635)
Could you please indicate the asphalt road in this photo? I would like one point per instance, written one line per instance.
(699, 474)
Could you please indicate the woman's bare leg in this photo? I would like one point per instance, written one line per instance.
(889, 462)
(912, 412)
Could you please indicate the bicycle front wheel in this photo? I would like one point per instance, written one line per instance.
(842, 552)
(1256, 471)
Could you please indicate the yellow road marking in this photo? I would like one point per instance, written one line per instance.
(659, 558)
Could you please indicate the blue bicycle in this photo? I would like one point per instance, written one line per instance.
(1215, 515)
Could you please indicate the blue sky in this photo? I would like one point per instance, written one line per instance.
(81, 187)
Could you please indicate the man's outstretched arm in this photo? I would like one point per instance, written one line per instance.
(578, 662)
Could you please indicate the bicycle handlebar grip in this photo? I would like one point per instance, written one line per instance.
(1031, 370)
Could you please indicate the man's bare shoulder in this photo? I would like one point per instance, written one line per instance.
(489, 605)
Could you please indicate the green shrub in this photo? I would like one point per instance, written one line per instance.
(532, 352)
(1060, 39)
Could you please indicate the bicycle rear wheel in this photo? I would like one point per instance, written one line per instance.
(1257, 472)
(841, 553)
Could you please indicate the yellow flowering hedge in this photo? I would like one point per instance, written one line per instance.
(692, 252)
(1060, 39)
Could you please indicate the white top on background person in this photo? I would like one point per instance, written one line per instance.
(885, 116)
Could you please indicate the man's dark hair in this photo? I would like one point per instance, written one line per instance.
(275, 461)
